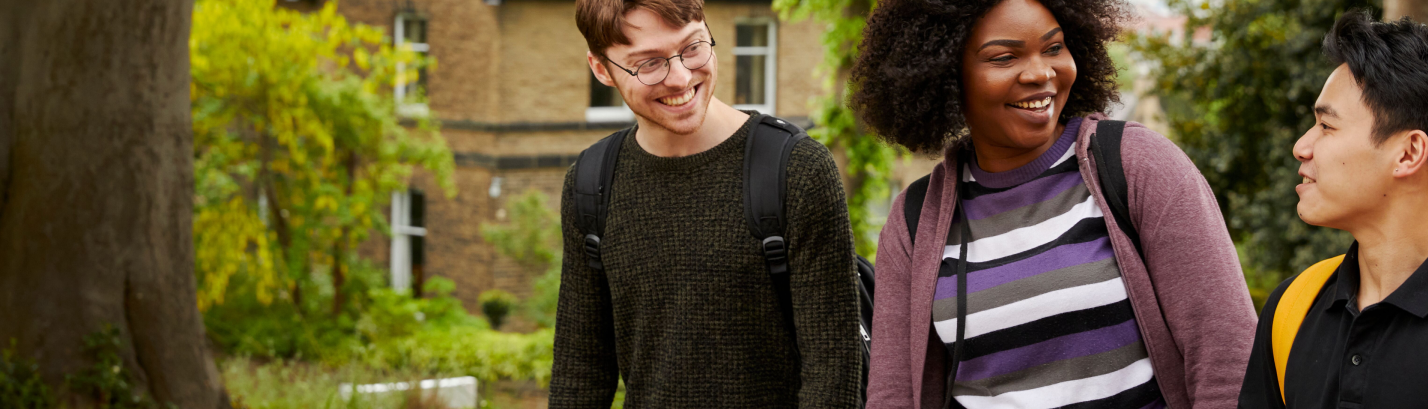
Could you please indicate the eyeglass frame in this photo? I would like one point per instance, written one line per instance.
(668, 60)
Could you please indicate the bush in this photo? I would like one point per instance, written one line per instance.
(20, 383)
(540, 307)
(495, 304)
(107, 381)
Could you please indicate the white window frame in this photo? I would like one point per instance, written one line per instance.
(399, 92)
(620, 113)
(770, 63)
(402, 232)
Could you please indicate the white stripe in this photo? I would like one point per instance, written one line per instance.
(1035, 308)
(1025, 238)
(1066, 393)
(1069, 153)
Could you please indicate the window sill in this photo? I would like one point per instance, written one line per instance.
(609, 114)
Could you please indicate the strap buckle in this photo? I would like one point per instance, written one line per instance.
(776, 254)
(592, 249)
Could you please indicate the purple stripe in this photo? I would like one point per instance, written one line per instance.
(1158, 404)
(1056, 258)
(1056, 349)
(1035, 191)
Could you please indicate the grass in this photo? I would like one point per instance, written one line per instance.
(299, 385)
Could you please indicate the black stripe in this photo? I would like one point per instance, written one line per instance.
(976, 189)
(1133, 398)
(1087, 229)
(1067, 323)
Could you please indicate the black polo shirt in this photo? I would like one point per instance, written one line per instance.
(1343, 357)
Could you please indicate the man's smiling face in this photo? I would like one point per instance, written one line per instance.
(680, 102)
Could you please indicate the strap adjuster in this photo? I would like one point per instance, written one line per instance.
(592, 249)
(776, 254)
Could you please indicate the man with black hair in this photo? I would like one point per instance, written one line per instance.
(1351, 331)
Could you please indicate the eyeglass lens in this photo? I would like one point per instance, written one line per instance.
(693, 57)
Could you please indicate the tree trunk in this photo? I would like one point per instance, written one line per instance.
(96, 170)
(1414, 9)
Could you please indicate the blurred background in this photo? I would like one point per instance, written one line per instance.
(319, 203)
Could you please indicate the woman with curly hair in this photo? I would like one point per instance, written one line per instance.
(1014, 289)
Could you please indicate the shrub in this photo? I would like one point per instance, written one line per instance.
(495, 304)
(20, 383)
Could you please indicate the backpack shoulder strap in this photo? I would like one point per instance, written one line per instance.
(766, 154)
(1106, 149)
(912, 205)
(1293, 305)
(594, 175)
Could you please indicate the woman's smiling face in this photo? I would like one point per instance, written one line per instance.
(1016, 78)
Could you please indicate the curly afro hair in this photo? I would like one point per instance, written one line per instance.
(907, 82)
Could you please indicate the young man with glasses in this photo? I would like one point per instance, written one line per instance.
(676, 295)
(1351, 331)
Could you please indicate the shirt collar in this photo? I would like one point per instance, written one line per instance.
(1412, 296)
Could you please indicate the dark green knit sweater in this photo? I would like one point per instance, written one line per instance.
(685, 309)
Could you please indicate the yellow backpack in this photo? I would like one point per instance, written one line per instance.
(1293, 306)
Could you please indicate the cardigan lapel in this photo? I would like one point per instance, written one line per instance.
(926, 256)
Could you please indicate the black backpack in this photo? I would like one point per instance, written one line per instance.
(1106, 149)
(765, 166)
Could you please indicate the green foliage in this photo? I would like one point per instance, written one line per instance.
(531, 234)
(540, 307)
(531, 237)
(1238, 105)
(20, 383)
(869, 161)
(470, 350)
(383, 331)
(108, 382)
(495, 304)
(296, 148)
(297, 385)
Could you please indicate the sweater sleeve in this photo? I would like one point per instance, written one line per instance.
(823, 278)
(585, 373)
(890, 377)
(1193, 265)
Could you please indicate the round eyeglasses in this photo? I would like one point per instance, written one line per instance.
(655, 70)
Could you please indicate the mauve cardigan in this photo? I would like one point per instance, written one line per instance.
(1189, 295)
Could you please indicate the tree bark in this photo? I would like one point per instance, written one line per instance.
(96, 170)
(1414, 9)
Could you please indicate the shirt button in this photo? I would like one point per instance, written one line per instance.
(1356, 359)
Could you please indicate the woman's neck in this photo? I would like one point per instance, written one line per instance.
(992, 157)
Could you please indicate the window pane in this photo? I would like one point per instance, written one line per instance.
(752, 35)
(417, 208)
(603, 96)
(414, 29)
(749, 79)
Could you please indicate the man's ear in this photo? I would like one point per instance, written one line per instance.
(1412, 154)
(597, 66)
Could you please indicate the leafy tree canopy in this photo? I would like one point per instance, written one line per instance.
(296, 144)
(1238, 104)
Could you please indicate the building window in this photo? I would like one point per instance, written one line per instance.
(606, 104)
(754, 56)
(408, 237)
(410, 30)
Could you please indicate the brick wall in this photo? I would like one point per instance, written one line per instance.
(510, 81)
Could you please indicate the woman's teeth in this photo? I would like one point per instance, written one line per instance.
(1308, 180)
(678, 100)
(1033, 104)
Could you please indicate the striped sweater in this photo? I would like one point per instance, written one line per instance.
(1048, 320)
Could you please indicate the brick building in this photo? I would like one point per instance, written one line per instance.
(517, 104)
